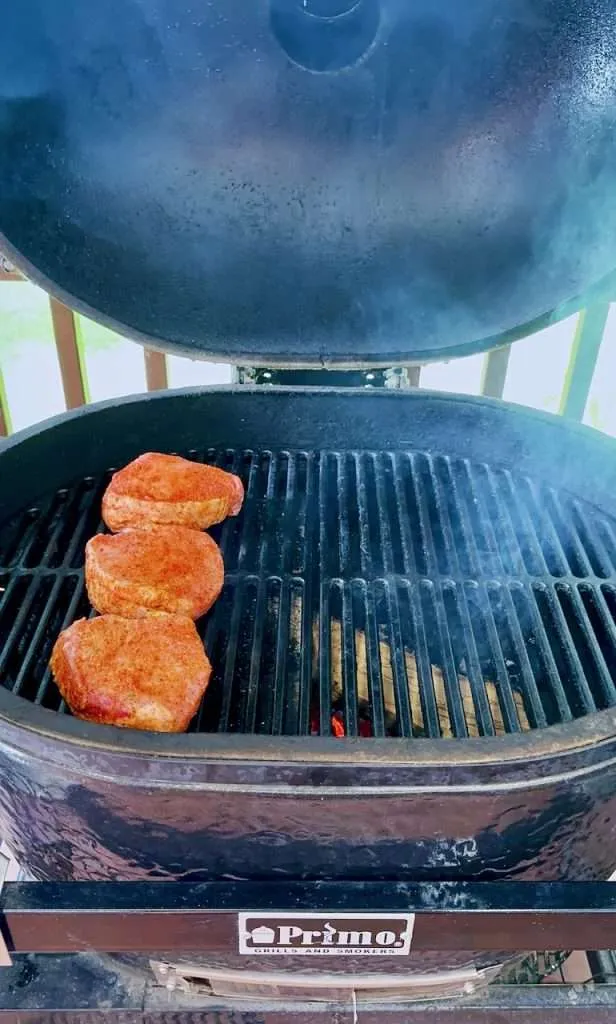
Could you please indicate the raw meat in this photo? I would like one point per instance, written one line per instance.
(144, 572)
(159, 488)
(133, 673)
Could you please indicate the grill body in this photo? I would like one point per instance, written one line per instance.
(249, 792)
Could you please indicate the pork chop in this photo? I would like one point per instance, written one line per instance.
(133, 673)
(144, 572)
(158, 488)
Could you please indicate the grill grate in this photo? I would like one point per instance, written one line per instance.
(378, 594)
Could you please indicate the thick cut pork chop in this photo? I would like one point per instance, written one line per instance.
(144, 572)
(159, 488)
(134, 673)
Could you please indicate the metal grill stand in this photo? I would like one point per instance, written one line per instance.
(135, 917)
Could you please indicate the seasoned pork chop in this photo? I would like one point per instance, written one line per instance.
(144, 572)
(134, 673)
(159, 488)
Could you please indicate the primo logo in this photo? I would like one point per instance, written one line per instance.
(314, 935)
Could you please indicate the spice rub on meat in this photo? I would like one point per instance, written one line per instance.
(144, 572)
(157, 488)
(134, 673)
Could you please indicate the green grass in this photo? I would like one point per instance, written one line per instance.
(24, 314)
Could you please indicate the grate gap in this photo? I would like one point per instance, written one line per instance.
(458, 526)
(444, 675)
(545, 671)
(72, 605)
(240, 546)
(403, 517)
(22, 602)
(229, 533)
(504, 524)
(349, 668)
(551, 558)
(329, 516)
(406, 593)
(419, 543)
(607, 537)
(387, 496)
(376, 656)
(242, 706)
(206, 719)
(352, 538)
(286, 697)
(493, 660)
(297, 496)
(269, 662)
(365, 514)
(213, 713)
(346, 513)
(588, 650)
(565, 656)
(228, 657)
(483, 536)
(571, 546)
(432, 514)
(330, 661)
(17, 534)
(474, 688)
(310, 616)
(604, 629)
(426, 721)
(590, 539)
(36, 525)
(398, 716)
(256, 641)
(507, 712)
(519, 672)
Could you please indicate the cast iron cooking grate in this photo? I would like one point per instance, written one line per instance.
(379, 594)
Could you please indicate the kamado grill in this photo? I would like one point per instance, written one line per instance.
(414, 653)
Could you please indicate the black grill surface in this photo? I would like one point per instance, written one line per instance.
(369, 594)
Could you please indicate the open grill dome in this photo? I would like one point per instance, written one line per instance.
(329, 182)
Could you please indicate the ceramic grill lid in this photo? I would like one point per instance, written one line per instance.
(311, 181)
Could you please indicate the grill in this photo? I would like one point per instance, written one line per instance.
(393, 593)
(415, 649)
(414, 655)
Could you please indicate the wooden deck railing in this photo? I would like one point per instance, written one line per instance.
(576, 385)
(69, 347)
